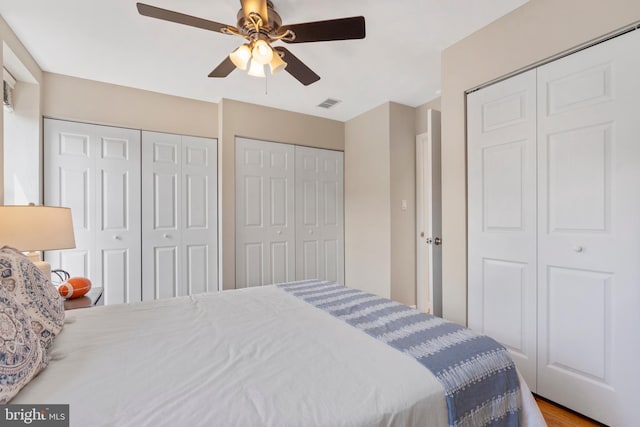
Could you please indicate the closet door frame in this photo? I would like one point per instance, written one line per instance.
(322, 230)
(588, 213)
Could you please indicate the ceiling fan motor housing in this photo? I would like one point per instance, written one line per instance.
(268, 28)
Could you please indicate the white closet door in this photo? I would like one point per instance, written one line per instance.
(69, 181)
(589, 230)
(95, 170)
(118, 209)
(265, 223)
(179, 221)
(502, 217)
(199, 246)
(161, 215)
(319, 214)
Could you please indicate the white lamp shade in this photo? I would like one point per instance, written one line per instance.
(262, 52)
(241, 56)
(36, 228)
(277, 64)
(256, 69)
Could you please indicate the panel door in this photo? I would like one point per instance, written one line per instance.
(319, 214)
(161, 215)
(265, 213)
(199, 245)
(95, 170)
(502, 217)
(589, 228)
(118, 213)
(69, 181)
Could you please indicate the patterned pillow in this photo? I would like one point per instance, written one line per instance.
(35, 292)
(21, 356)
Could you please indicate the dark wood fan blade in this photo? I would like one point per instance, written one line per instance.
(224, 69)
(256, 6)
(297, 68)
(323, 31)
(180, 18)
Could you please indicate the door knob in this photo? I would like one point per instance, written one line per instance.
(117, 237)
(166, 236)
(437, 241)
(578, 249)
(310, 231)
(279, 232)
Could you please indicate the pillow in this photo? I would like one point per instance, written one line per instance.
(35, 292)
(21, 355)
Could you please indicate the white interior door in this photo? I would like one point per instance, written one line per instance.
(319, 214)
(501, 144)
(162, 215)
(589, 230)
(199, 228)
(118, 209)
(95, 170)
(179, 222)
(265, 213)
(429, 218)
(69, 181)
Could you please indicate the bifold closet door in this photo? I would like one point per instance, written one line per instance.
(265, 213)
(589, 230)
(179, 227)
(319, 214)
(95, 171)
(501, 174)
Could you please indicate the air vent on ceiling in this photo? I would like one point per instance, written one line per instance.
(328, 103)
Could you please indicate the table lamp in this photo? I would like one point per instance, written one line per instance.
(36, 228)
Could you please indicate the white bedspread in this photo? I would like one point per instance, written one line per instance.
(254, 357)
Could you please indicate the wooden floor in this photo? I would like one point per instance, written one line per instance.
(557, 416)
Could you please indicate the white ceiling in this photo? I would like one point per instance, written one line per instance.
(106, 40)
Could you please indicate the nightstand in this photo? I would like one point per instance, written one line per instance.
(90, 299)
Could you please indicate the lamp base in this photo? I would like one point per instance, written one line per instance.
(44, 266)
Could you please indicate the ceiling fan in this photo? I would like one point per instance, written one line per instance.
(261, 26)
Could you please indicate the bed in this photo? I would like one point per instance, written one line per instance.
(253, 357)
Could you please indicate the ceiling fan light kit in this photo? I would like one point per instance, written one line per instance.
(262, 52)
(241, 56)
(260, 25)
(277, 64)
(256, 69)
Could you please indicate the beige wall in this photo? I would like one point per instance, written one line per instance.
(421, 114)
(72, 98)
(537, 30)
(367, 188)
(379, 174)
(402, 143)
(253, 121)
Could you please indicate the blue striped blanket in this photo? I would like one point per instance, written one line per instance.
(478, 376)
